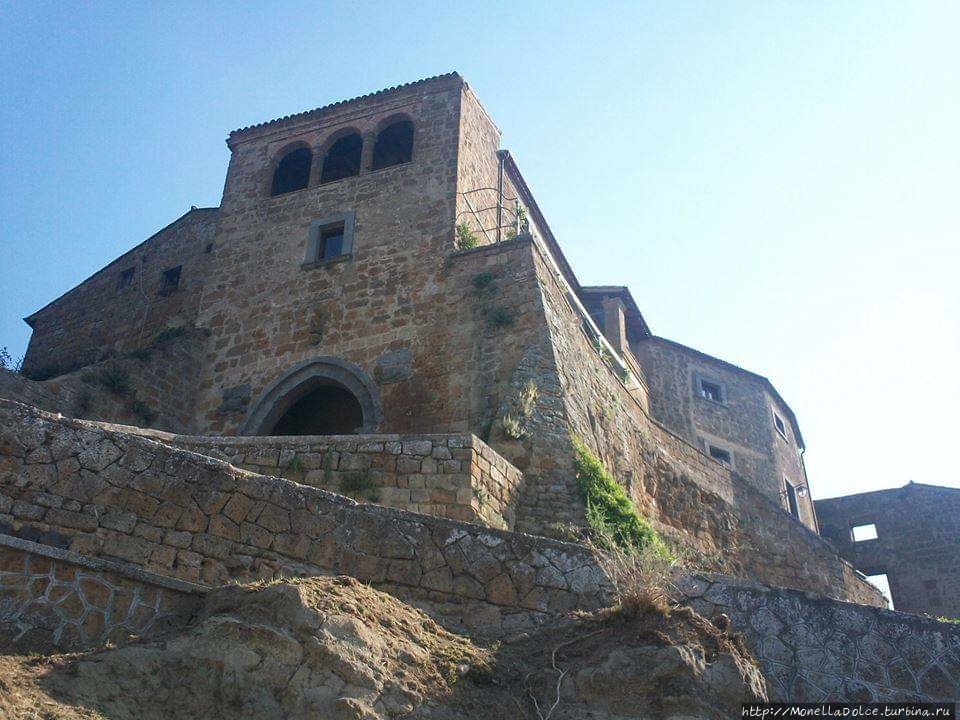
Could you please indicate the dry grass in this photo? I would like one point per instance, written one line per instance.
(642, 578)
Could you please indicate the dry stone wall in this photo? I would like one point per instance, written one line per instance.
(453, 476)
(812, 649)
(52, 597)
(104, 493)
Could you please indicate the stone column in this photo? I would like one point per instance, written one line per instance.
(366, 153)
(316, 167)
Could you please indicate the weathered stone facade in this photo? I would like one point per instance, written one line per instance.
(112, 313)
(917, 544)
(418, 333)
(749, 419)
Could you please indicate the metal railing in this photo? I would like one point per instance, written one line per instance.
(517, 223)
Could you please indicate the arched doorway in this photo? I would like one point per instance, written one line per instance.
(323, 396)
(328, 410)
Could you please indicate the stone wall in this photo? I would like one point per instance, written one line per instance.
(160, 385)
(54, 598)
(453, 476)
(99, 317)
(742, 424)
(691, 498)
(812, 649)
(917, 545)
(104, 493)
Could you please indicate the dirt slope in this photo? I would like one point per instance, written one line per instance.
(333, 648)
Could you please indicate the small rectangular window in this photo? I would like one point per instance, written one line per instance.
(778, 423)
(791, 494)
(862, 533)
(170, 280)
(329, 240)
(720, 454)
(710, 390)
(125, 279)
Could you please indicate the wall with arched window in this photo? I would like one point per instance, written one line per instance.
(292, 171)
(394, 144)
(342, 159)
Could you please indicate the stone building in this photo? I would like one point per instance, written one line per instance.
(910, 535)
(380, 265)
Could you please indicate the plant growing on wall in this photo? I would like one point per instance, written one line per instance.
(115, 379)
(482, 281)
(612, 518)
(8, 363)
(512, 428)
(500, 317)
(465, 237)
(143, 411)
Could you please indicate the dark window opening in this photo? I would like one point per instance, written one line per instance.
(720, 454)
(711, 391)
(125, 279)
(170, 280)
(781, 428)
(343, 159)
(328, 410)
(394, 145)
(208, 248)
(293, 171)
(791, 493)
(331, 242)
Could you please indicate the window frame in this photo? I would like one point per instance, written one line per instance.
(780, 426)
(699, 380)
(853, 528)
(166, 286)
(713, 446)
(126, 278)
(312, 256)
(792, 497)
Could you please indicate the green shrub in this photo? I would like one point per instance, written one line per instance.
(465, 237)
(500, 317)
(482, 280)
(949, 620)
(115, 379)
(359, 485)
(611, 516)
(142, 354)
(143, 411)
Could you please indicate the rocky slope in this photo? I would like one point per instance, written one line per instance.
(336, 649)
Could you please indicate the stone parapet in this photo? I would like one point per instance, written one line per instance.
(50, 596)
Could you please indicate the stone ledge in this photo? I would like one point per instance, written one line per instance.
(103, 565)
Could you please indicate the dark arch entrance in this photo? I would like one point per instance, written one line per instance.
(322, 396)
(328, 410)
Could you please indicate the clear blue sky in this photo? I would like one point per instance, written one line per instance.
(777, 182)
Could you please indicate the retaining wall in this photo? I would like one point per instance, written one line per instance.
(54, 598)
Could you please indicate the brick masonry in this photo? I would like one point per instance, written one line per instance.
(52, 597)
(917, 545)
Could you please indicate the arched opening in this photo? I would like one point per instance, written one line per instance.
(328, 410)
(321, 396)
(292, 172)
(394, 145)
(343, 159)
